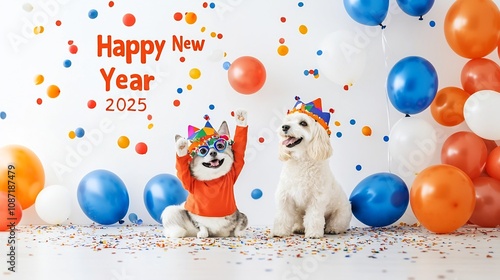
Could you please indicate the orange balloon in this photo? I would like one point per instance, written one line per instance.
(493, 163)
(10, 212)
(447, 108)
(480, 74)
(442, 197)
(466, 151)
(487, 210)
(471, 27)
(26, 177)
(246, 75)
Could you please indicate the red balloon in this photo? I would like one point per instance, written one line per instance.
(466, 151)
(447, 108)
(493, 163)
(442, 198)
(487, 210)
(246, 75)
(480, 74)
(10, 212)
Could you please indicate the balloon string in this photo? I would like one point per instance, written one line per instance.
(384, 49)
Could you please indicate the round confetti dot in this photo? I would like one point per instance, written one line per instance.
(366, 130)
(133, 217)
(58, 23)
(70, 42)
(3, 115)
(331, 110)
(386, 138)
(256, 193)
(39, 101)
(27, 7)
(177, 16)
(300, 4)
(91, 104)
(204, 5)
(93, 14)
(213, 34)
(352, 121)
(226, 65)
(179, 90)
(283, 19)
(358, 167)
(71, 135)
(39, 79)
(203, 29)
(149, 117)
(67, 63)
(306, 72)
(346, 87)
(190, 18)
(38, 30)
(194, 73)
(150, 126)
(303, 29)
(281, 40)
(53, 91)
(432, 23)
(128, 20)
(337, 123)
(111, 4)
(282, 50)
(73, 49)
(211, 106)
(123, 142)
(189, 87)
(319, 52)
(311, 71)
(177, 103)
(141, 148)
(212, 5)
(339, 134)
(219, 36)
(182, 59)
(79, 132)
(261, 139)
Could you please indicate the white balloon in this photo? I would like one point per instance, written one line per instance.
(482, 114)
(342, 60)
(412, 145)
(53, 204)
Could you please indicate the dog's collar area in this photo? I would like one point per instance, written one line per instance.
(215, 163)
(291, 142)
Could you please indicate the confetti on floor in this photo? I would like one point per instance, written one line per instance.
(395, 252)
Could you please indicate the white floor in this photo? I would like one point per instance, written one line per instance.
(141, 252)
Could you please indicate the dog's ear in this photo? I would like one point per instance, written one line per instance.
(177, 137)
(223, 129)
(320, 147)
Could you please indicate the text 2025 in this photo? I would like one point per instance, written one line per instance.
(130, 104)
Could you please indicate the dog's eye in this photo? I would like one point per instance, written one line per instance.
(303, 123)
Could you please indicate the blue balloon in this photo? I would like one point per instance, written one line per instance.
(412, 85)
(161, 191)
(103, 197)
(380, 199)
(367, 12)
(416, 8)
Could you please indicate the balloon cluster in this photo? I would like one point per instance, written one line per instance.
(101, 194)
(466, 185)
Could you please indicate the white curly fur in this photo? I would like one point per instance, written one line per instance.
(308, 198)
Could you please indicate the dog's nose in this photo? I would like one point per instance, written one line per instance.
(285, 128)
(213, 153)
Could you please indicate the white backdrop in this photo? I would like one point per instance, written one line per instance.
(255, 28)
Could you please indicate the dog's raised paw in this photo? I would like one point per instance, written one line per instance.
(181, 146)
(240, 116)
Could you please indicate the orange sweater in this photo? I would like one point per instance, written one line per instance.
(214, 198)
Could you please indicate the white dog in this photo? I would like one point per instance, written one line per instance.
(309, 200)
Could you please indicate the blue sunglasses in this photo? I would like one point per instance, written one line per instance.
(220, 146)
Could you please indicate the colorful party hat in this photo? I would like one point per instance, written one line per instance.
(315, 111)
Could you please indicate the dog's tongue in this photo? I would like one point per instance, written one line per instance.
(214, 163)
(289, 141)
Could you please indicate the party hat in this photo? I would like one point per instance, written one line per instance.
(314, 110)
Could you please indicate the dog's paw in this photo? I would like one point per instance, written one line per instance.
(181, 146)
(203, 233)
(174, 232)
(240, 116)
(313, 234)
(280, 233)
